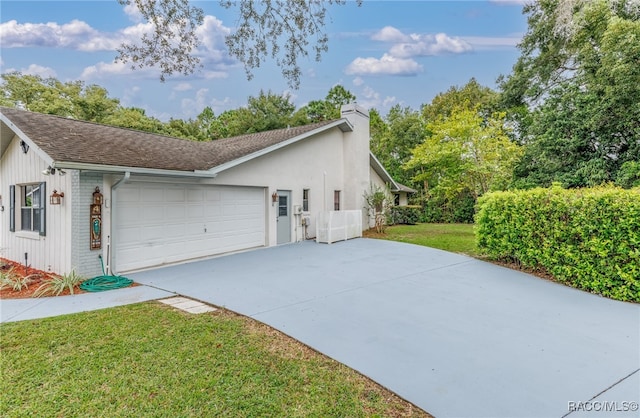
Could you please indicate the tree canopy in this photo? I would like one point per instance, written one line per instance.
(282, 30)
(579, 76)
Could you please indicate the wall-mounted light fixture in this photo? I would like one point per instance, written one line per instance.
(56, 198)
(274, 198)
(24, 146)
(49, 170)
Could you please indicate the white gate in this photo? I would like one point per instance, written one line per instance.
(338, 225)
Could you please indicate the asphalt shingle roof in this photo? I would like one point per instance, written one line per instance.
(70, 140)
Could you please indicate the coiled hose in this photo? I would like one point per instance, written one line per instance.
(105, 282)
(100, 283)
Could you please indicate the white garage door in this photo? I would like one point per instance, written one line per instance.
(157, 223)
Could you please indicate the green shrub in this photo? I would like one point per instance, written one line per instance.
(14, 281)
(409, 215)
(58, 284)
(439, 209)
(587, 238)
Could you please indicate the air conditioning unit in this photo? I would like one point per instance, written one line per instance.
(297, 210)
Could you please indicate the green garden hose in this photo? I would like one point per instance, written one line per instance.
(100, 283)
(105, 282)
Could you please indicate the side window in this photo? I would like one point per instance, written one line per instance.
(305, 200)
(336, 200)
(32, 198)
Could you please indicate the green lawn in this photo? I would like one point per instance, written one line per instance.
(457, 238)
(149, 360)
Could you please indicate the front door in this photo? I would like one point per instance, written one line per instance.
(284, 216)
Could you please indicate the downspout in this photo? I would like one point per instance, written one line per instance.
(124, 179)
(117, 184)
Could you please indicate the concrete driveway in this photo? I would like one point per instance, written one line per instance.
(456, 336)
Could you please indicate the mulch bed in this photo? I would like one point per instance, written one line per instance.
(38, 278)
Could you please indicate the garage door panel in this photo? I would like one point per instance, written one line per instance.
(195, 212)
(158, 224)
(174, 195)
(152, 195)
(195, 195)
(128, 195)
(212, 195)
(175, 212)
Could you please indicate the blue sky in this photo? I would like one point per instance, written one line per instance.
(384, 52)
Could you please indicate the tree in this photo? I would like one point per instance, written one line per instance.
(471, 95)
(134, 118)
(465, 153)
(392, 145)
(327, 109)
(269, 111)
(579, 72)
(279, 29)
(70, 99)
(265, 112)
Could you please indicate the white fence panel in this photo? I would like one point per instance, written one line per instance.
(339, 225)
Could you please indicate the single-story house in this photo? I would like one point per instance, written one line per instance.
(80, 196)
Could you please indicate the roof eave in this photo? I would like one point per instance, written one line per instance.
(24, 137)
(70, 165)
(382, 172)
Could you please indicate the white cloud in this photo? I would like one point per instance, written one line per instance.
(131, 95)
(389, 100)
(44, 72)
(387, 65)
(80, 36)
(212, 33)
(183, 87)
(390, 34)
(193, 106)
(426, 45)
(103, 70)
(133, 12)
(358, 81)
(484, 42)
(399, 58)
(69, 35)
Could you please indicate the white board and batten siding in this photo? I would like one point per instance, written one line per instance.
(161, 223)
(51, 252)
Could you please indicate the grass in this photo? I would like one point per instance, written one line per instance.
(457, 238)
(152, 360)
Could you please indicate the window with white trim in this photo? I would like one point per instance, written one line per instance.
(30, 207)
(305, 200)
(30, 199)
(336, 200)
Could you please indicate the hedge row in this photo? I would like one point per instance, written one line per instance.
(587, 238)
(409, 215)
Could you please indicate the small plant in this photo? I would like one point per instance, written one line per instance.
(377, 203)
(14, 281)
(58, 284)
